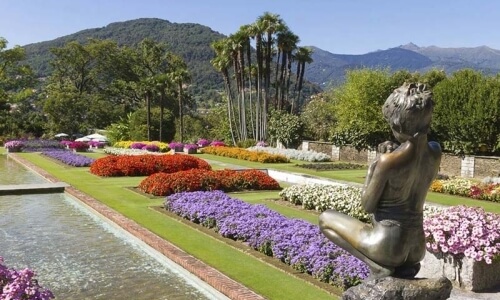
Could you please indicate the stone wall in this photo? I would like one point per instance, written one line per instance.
(350, 154)
(487, 166)
(451, 165)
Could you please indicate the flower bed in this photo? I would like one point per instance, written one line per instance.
(123, 151)
(39, 145)
(17, 285)
(344, 199)
(464, 231)
(163, 147)
(203, 143)
(488, 191)
(293, 154)
(190, 148)
(70, 158)
(464, 243)
(176, 146)
(14, 146)
(334, 166)
(294, 242)
(240, 153)
(145, 165)
(79, 146)
(163, 184)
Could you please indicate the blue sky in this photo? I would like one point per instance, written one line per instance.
(338, 26)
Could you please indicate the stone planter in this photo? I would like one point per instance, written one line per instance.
(179, 149)
(190, 150)
(465, 273)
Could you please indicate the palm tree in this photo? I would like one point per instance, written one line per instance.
(221, 63)
(287, 42)
(180, 76)
(302, 56)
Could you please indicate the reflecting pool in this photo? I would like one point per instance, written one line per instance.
(78, 255)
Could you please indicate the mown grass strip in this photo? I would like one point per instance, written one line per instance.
(356, 176)
(246, 269)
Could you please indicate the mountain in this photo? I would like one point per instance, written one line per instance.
(329, 69)
(190, 41)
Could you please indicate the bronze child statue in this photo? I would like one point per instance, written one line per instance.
(394, 192)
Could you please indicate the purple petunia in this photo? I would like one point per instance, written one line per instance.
(292, 241)
(70, 158)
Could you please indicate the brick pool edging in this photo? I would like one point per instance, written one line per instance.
(227, 286)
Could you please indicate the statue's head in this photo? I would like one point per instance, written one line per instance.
(408, 110)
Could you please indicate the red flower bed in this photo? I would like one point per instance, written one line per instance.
(164, 184)
(144, 165)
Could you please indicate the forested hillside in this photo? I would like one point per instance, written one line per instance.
(190, 41)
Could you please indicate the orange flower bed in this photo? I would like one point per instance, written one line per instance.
(240, 153)
(164, 184)
(144, 165)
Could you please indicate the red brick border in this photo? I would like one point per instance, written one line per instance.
(213, 277)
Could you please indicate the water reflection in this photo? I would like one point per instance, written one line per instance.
(78, 256)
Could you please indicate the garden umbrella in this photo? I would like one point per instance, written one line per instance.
(97, 136)
(61, 135)
(83, 139)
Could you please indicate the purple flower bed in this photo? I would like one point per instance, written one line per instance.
(295, 242)
(138, 145)
(203, 142)
(21, 285)
(38, 145)
(152, 148)
(70, 158)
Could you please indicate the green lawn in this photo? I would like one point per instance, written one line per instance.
(250, 271)
(356, 176)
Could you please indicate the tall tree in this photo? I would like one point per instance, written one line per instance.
(467, 112)
(302, 57)
(16, 85)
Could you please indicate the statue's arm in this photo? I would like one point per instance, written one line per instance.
(374, 185)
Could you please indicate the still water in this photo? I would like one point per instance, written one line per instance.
(77, 255)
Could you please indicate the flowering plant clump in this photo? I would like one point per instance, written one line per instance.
(293, 154)
(97, 144)
(203, 143)
(39, 145)
(191, 146)
(152, 147)
(79, 145)
(217, 144)
(464, 231)
(244, 154)
(163, 184)
(128, 144)
(485, 190)
(14, 145)
(122, 151)
(343, 198)
(297, 243)
(137, 145)
(175, 145)
(21, 285)
(70, 158)
(145, 165)
(261, 144)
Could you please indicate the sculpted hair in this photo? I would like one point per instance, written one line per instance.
(409, 108)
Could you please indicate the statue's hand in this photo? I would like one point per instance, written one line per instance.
(387, 147)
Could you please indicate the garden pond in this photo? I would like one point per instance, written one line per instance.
(78, 255)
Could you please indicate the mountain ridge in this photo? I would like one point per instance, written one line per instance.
(192, 41)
